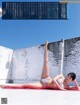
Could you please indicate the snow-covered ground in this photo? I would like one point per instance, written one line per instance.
(40, 97)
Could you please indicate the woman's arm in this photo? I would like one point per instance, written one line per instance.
(76, 85)
(56, 81)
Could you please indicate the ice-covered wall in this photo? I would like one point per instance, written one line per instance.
(5, 59)
(27, 63)
(72, 57)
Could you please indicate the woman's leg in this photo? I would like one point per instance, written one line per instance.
(27, 85)
(45, 70)
(35, 84)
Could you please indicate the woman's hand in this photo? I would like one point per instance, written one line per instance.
(63, 89)
(76, 85)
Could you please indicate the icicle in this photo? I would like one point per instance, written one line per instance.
(62, 58)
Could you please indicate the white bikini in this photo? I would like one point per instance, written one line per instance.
(60, 82)
(45, 80)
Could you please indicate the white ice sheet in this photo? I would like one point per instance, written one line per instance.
(40, 97)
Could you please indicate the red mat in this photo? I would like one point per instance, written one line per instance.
(32, 87)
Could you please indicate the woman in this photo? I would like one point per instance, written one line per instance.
(46, 82)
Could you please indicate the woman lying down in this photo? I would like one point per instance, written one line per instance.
(59, 82)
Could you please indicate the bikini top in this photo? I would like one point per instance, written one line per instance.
(60, 82)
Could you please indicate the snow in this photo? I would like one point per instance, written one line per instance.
(5, 59)
(40, 97)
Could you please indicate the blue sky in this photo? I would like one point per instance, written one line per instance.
(17, 34)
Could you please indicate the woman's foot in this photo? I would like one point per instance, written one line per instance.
(45, 45)
(1, 86)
